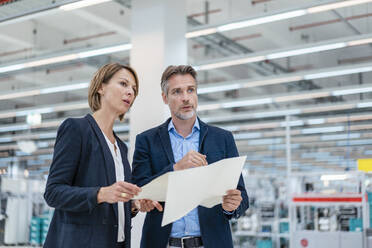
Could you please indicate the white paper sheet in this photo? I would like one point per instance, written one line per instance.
(184, 190)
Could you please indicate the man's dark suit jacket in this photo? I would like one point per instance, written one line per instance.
(153, 156)
(82, 163)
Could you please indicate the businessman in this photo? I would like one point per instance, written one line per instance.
(184, 142)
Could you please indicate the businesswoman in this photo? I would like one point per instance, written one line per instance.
(89, 182)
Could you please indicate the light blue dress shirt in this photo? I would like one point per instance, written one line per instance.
(189, 224)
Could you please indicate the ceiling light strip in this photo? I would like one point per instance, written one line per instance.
(273, 17)
(340, 91)
(42, 91)
(81, 4)
(286, 78)
(256, 57)
(65, 57)
(287, 52)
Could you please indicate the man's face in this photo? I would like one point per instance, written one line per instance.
(182, 98)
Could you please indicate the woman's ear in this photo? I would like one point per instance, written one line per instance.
(101, 91)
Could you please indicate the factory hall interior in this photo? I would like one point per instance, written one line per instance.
(186, 123)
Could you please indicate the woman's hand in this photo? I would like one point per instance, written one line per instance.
(146, 205)
(117, 192)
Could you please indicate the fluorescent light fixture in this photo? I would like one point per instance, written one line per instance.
(40, 91)
(359, 42)
(354, 142)
(47, 135)
(288, 52)
(285, 98)
(313, 49)
(243, 103)
(292, 123)
(49, 61)
(209, 107)
(273, 17)
(44, 110)
(242, 136)
(81, 4)
(224, 87)
(336, 73)
(364, 105)
(106, 50)
(315, 154)
(5, 139)
(351, 91)
(340, 136)
(261, 20)
(323, 130)
(202, 32)
(230, 63)
(12, 68)
(13, 127)
(316, 121)
(66, 57)
(337, 5)
(64, 88)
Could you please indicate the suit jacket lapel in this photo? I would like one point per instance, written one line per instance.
(165, 140)
(203, 133)
(124, 159)
(108, 160)
(127, 178)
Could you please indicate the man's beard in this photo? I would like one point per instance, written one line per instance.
(186, 116)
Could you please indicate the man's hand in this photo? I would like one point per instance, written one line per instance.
(231, 200)
(190, 160)
(146, 205)
(119, 191)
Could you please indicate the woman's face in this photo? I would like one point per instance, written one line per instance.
(119, 93)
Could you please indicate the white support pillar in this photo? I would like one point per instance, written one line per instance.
(158, 39)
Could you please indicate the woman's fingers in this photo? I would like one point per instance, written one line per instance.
(158, 206)
(129, 188)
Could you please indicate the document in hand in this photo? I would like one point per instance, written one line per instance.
(184, 190)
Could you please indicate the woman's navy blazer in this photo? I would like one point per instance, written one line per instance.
(82, 163)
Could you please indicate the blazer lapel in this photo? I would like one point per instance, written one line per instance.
(127, 178)
(108, 160)
(124, 159)
(203, 133)
(165, 140)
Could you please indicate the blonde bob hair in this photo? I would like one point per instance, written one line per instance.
(103, 76)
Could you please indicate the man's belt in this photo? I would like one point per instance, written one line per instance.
(186, 242)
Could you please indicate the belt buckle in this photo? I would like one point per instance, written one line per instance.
(182, 239)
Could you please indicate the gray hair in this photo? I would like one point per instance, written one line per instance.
(175, 70)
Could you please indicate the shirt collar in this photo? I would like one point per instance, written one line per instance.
(196, 125)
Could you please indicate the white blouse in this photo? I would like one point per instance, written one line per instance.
(119, 172)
